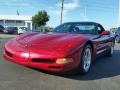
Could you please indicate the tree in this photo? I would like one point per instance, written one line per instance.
(40, 18)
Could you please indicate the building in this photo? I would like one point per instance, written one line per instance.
(16, 21)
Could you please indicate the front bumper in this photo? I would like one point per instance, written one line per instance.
(52, 66)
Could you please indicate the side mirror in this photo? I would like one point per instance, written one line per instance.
(105, 33)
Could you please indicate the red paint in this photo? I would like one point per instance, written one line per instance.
(49, 46)
(105, 33)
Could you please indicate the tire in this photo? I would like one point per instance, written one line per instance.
(86, 59)
(110, 53)
(117, 39)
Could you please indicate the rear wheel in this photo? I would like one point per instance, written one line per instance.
(86, 59)
(117, 39)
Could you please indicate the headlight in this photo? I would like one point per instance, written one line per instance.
(25, 55)
(64, 60)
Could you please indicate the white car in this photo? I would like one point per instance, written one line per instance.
(22, 30)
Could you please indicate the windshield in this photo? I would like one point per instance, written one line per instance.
(81, 28)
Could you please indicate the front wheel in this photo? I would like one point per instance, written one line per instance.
(110, 53)
(86, 59)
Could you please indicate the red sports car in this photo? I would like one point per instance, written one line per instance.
(70, 46)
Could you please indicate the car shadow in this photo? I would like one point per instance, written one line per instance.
(103, 67)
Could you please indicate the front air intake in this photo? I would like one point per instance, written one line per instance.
(38, 60)
(8, 53)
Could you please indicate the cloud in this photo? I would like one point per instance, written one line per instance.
(69, 6)
(74, 4)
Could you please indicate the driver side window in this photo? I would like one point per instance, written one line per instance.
(100, 29)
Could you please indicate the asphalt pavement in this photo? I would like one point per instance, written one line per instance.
(104, 75)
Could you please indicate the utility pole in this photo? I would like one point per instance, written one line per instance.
(62, 12)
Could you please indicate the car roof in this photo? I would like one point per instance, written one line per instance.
(84, 22)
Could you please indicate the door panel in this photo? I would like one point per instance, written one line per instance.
(102, 43)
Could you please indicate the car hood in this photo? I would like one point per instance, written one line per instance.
(52, 42)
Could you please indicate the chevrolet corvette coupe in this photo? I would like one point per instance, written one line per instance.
(70, 46)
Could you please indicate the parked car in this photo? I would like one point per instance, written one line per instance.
(72, 46)
(11, 30)
(113, 30)
(117, 34)
(1, 28)
(22, 30)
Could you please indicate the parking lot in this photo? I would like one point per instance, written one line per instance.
(104, 75)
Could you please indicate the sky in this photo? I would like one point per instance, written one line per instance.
(104, 12)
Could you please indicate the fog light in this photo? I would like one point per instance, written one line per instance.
(64, 60)
(25, 55)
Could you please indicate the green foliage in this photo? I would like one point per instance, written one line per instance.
(40, 18)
